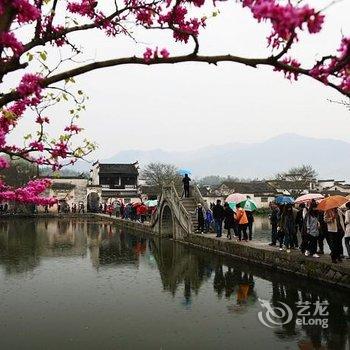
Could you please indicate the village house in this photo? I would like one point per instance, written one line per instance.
(332, 187)
(68, 190)
(259, 191)
(111, 182)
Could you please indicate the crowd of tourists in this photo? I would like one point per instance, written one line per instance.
(308, 229)
(137, 211)
(301, 227)
(238, 223)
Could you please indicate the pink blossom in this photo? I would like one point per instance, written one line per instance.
(73, 128)
(147, 55)
(144, 16)
(9, 40)
(164, 53)
(26, 12)
(290, 75)
(30, 84)
(37, 145)
(42, 120)
(284, 18)
(84, 8)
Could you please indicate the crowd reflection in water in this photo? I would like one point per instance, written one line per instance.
(182, 270)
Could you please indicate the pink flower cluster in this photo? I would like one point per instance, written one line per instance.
(150, 54)
(30, 84)
(88, 9)
(26, 12)
(84, 8)
(42, 120)
(285, 19)
(37, 145)
(183, 28)
(9, 40)
(335, 67)
(27, 194)
(145, 16)
(290, 75)
(73, 128)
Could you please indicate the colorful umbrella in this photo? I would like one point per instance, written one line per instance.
(151, 203)
(282, 200)
(232, 205)
(306, 198)
(236, 197)
(332, 202)
(183, 172)
(249, 205)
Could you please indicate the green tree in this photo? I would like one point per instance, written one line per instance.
(19, 172)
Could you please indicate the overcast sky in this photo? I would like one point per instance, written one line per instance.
(187, 106)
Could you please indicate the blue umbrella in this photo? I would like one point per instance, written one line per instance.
(182, 172)
(284, 200)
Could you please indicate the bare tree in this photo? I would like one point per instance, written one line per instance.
(161, 174)
(297, 179)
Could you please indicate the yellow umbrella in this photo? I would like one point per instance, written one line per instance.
(332, 202)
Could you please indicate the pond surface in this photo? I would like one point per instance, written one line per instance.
(78, 284)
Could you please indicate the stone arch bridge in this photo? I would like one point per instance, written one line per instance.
(175, 216)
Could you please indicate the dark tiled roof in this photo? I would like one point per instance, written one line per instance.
(335, 193)
(62, 186)
(289, 185)
(118, 169)
(250, 187)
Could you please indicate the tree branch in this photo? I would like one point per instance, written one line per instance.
(251, 62)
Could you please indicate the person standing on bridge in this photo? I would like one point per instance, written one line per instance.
(186, 181)
(218, 215)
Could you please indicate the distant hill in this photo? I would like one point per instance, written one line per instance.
(255, 160)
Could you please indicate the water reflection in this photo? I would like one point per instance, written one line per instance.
(184, 273)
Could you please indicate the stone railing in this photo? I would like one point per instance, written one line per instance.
(196, 194)
(180, 212)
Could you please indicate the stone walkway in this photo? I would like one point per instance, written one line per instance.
(263, 245)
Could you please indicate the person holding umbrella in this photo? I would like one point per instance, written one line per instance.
(312, 230)
(274, 219)
(335, 226)
(287, 224)
(186, 182)
(218, 215)
(229, 220)
(347, 228)
(250, 207)
(242, 220)
(334, 219)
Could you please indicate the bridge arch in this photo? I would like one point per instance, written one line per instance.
(167, 224)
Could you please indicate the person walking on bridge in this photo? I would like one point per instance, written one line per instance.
(186, 181)
(218, 215)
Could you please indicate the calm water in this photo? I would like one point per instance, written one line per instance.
(76, 284)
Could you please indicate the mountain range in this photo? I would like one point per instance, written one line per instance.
(260, 160)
